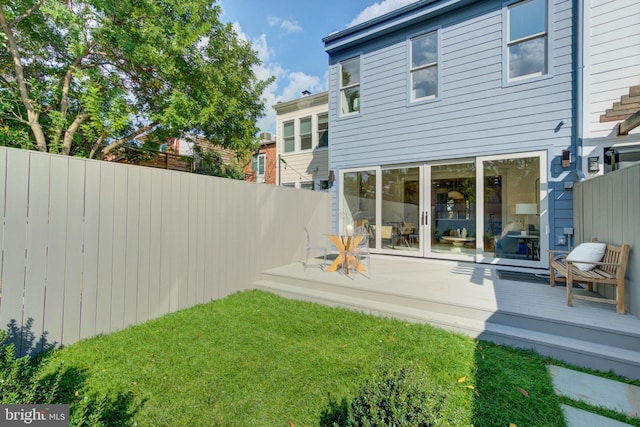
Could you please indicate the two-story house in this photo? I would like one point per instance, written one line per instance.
(452, 131)
(302, 141)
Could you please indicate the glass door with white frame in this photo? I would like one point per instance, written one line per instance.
(452, 210)
(400, 209)
(513, 211)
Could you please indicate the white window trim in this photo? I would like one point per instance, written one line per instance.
(284, 151)
(316, 135)
(411, 100)
(341, 88)
(506, 43)
(299, 134)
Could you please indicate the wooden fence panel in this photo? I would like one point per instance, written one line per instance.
(155, 245)
(144, 247)
(91, 252)
(36, 272)
(3, 206)
(132, 239)
(191, 181)
(15, 229)
(105, 249)
(56, 251)
(119, 246)
(74, 240)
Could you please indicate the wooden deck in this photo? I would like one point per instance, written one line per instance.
(474, 300)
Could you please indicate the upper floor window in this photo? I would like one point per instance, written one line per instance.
(323, 130)
(424, 66)
(305, 134)
(289, 137)
(350, 86)
(527, 39)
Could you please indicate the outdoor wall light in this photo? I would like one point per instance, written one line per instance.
(566, 158)
(332, 176)
(594, 166)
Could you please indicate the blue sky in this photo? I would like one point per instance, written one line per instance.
(287, 34)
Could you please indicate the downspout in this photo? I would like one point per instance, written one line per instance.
(579, 110)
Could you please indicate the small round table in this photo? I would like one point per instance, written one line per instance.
(458, 242)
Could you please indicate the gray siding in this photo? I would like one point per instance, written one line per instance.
(476, 113)
(91, 247)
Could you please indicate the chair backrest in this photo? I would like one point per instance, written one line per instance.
(361, 231)
(386, 231)
(308, 239)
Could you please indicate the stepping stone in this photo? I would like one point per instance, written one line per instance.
(596, 391)
(579, 418)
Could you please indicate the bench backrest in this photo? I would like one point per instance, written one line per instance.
(615, 255)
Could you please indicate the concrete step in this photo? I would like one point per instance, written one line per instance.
(477, 323)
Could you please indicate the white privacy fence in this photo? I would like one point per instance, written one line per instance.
(91, 247)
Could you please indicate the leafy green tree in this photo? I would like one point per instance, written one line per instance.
(83, 77)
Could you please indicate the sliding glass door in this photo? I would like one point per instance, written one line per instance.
(452, 210)
(485, 209)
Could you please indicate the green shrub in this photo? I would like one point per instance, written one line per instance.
(20, 382)
(393, 398)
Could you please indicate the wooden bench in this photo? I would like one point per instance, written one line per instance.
(610, 270)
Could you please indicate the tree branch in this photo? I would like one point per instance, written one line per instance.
(71, 131)
(96, 146)
(117, 143)
(32, 115)
(27, 13)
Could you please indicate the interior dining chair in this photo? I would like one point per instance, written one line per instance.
(362, 250)
(311, 249)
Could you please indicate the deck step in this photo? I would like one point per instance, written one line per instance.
(481, 325)
(626, 340)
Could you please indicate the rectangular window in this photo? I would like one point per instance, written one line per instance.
(305, 134)
(527, 42)
(323, 130)
(306, 185)
(260, 164)
(289, 137)
(424, 66)
(350, 86)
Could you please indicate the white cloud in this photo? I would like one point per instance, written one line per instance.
(288, 84)
(377, 9)
(286, 25)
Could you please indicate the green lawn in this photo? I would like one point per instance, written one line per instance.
(255, 359)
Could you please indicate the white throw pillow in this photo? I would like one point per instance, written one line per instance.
(593, 251)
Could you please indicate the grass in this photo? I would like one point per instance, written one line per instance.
(257, 359)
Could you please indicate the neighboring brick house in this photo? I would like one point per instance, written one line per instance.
(262, 168)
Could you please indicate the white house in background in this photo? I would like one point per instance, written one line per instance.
(302, 142)
(610, 85)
